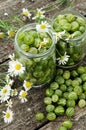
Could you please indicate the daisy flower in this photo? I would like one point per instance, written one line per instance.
(40, 14)
(27, 85)
(59, 35)
(15, 68)
(26, 13)
(5, 93)
(1, 35)
(43, 43)
(8, 116)
(11, 33)
(9, 103)
(63, 59)
(22, 96)
(43, 27)
(14, 92)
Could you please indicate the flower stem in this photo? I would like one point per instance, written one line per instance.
(58, 52)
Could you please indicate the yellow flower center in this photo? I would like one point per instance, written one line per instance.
(7, 115)
(24, 94)
(42, 44)
(39, 12)
(43, 26)
(25, 13)
(1, 35)
(28, 84)
(4, 91)
(11, 33)
(17, 66)
(62, 57)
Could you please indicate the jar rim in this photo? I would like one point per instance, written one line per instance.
(31, 27)
(67, 11)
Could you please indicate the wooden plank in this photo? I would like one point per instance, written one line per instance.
(24, 119)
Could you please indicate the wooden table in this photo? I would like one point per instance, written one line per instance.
(24, 118)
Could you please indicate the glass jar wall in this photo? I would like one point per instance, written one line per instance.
(38, 59)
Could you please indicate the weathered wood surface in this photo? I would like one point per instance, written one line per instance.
(24, 118)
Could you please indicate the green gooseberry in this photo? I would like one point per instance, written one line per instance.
(68, 82)
(78, 79)
(83, 77)
(59, 80)
(37, 42)
(78, 90)
(39, 116)
(76, 57)
(62, 47)
(43, 35)
(33, 50)
(60, 17)
(72, 96)
(47, 100)
(70, 89)
(75, 83)
(76, 34)
(49, 92)
(62, 128)
(51, 116)
(74, 26)
(58, 92)
(81, 21)
(65, 35)
(70, 17)
(62, 102)
(62, 22)
(82, 96)
(65, 95)
(33, 33)
(74, 73)
(59, 110)
(66, 26)
(66, 74)
(21, 36)
(55, 98)
(84, 86)
(70, 111)
(68, 124)
(50, 108)
(25, 47)
(63, 87)
(81, 70)
(54, 85)
(70, 103)
(57, 27)
(82, 103)
(82, 29)
(28, 39)
(59, 72)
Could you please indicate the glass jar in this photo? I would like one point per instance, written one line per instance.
(70, 28)
(40, 68)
